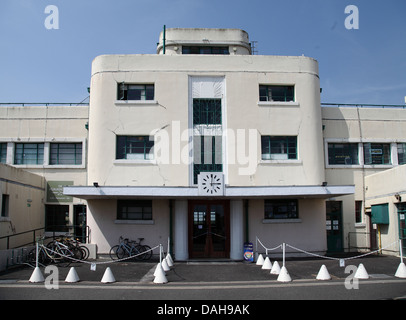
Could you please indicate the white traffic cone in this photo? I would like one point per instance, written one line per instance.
(165, 265)
(37, 276)
(323, 274)
(276, 269)
(284, 275)
(160, 275)
(361, 272)
(260, 260)
(267, 264)
(401, 271)
(158, 266)
(108, 276)
(72, 276)
(169, 260)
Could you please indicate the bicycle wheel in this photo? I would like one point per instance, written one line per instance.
(148, 252)
(113, 252)
(138, 252)
(64, 257)
(85, 252)
(123, 252)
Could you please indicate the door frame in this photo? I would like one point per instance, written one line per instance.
(335, 242)
(209, 253)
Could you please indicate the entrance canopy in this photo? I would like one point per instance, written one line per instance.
(115, 192)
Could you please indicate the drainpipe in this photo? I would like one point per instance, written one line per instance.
(246, 221)
(164, 39)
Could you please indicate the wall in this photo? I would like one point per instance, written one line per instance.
(26, 193)
(306, 233)
(105, 232)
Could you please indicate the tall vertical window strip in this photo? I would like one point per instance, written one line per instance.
(358, 211)
(206, 111)
(377, 153)
(65, 154)
(276, 93)
(402, 153)
(343, 153)
(29, 153)
(134, 148)
(3, 152)
(279, 147)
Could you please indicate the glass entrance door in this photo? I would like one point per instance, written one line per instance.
(209, 229)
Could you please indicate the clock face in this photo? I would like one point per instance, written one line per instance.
(211, 183)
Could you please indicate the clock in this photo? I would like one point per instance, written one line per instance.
(211, 184)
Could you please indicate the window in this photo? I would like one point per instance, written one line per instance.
(206, 111)
(377, 153)
(135, 91)
(134, 148)
(276, 93)
(207, 155)
(29, 153)
(279, 148)
(56, 218)
(5, 205)
(402, 153)
(343, 153)
(358, 211)
(3, 152)
(281, 209)
(65, 154)
(204, 50)
(134, 210)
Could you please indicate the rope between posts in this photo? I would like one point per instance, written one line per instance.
(98, 263)
(325, 257)
(269, 249)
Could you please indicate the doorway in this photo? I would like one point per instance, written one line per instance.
(79, 222)
(334, 223)
(209, 229)
(402, 225)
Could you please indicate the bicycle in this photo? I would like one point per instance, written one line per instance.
(128, 248)
(54, 252)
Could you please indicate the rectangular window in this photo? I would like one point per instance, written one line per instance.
(402, 153)
(276, 93)
(3, 152)
(204, 50)
(279, 147)
(206, 111)
(56, 218)
(135, 91)
(134, 210)
(207, 155)
(134, 148)
(377, 153)
(65, 154)
(343, 153)
(5, 205)
(281, 209)
(358, 211)
(29, 153)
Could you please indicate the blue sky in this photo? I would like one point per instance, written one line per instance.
(367, 65)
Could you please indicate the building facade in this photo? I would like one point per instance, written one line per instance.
(210, 146)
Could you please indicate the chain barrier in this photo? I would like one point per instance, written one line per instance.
(325, 257)
(101, 262)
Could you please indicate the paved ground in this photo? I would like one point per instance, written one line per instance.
(212, 280)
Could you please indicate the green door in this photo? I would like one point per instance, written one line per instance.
(402, 225)
(334, 226)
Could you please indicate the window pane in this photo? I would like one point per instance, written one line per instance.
(134, 209)
(29, 153)
(278, 148)
(276, 93)
(134, 147)
(402, 153)
(343, 153)
(281, 209)
(377, 153)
